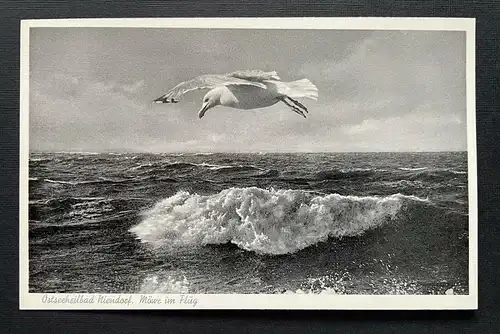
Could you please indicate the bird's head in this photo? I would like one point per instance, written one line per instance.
(211, 99)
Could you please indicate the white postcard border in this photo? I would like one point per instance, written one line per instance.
(65, 301)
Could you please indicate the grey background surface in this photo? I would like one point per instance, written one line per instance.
(485, 320)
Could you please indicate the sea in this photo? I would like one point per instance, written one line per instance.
(265, 223)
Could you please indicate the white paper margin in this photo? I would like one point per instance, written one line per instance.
(40, 301)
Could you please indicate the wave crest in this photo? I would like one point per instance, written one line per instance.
(263, 221)
(339, 174)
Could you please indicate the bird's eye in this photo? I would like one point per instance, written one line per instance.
(205, 100)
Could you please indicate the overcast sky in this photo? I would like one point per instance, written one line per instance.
(91, 90)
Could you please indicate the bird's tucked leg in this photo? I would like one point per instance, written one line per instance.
(298, 104)
(294, 106)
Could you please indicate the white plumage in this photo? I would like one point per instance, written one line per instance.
(245, 90)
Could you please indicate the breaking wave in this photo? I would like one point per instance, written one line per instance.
(264, 221)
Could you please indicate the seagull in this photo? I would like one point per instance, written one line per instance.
(248, 89)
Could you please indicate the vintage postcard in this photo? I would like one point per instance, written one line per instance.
(278, 163)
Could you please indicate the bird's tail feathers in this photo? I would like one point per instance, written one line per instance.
(302, 88)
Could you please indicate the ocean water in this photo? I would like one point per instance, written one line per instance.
(341, 223)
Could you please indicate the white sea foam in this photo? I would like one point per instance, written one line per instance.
(220, 167)
(458, 172)
(164, 284)
(327, 285)
(210, 166)
(80, 153)
(326, 291)
(74, 183)
(351, 170)
(61, 182)
(433, 170)
(217, 167)
(264, 221)
(172, 154)
(412, 169)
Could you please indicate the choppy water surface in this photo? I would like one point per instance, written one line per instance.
(355, 223)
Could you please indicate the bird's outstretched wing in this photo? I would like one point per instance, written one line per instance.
(204, 82)
(255, 75)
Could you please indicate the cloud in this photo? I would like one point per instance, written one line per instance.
(135, 87)
(91, 89)
(410, 76)
(406, 131)
(385, 65)
(80, 113)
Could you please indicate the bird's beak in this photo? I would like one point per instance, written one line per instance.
(203, 109)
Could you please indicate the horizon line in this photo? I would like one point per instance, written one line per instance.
(235, 152)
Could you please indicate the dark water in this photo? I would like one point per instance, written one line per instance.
(356, 223)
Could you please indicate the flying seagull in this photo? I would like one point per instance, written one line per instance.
(249, 89)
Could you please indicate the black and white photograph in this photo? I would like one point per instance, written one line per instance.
(297, 163)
